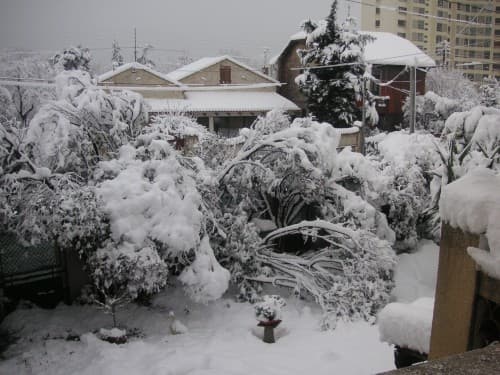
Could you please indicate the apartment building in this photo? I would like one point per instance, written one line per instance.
(434, 26)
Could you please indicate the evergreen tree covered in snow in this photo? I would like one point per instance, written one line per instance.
(116, 55)
(333, 88)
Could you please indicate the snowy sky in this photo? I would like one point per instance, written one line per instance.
(202, 27)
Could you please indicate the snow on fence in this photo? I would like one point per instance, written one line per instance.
(470, 242)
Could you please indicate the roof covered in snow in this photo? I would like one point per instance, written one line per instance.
(386, 49)
(206, 62)
(136, 65)
(224, 101)
(391, 49)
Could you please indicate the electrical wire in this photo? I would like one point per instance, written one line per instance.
(400, 10)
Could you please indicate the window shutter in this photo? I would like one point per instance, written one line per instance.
(225, 74)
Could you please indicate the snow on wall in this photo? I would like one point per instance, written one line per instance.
(472, 203)
(407, 325)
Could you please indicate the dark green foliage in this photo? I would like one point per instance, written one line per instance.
(332, 92)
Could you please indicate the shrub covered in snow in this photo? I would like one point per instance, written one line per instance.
(290, 177)
(269, 309)
(432, 111)
(90, 177)
(454, 85)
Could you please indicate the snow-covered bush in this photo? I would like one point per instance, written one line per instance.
(90, 177)
(156, 223)
(454, 85)
(431, 112)
(85, 125)
(489, 92)
(289, 177)
(408, 162)
(269, 309)
(72, 58)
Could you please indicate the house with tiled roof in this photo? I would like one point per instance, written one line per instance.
(389, 55)
(221, 92)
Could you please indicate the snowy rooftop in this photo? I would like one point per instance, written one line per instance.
(206, 62)
(136, 65)
(224, 101)
(391, 49)
(386, 49)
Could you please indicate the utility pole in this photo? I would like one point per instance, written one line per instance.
(363, 115)
(413, 94)
(135, 45)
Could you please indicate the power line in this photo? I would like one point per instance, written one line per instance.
(374, 62)
(401, 10)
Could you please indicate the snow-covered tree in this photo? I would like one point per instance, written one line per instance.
(73, 58)
(116, 55)
(144, 58)
(333, 88)
(431, 111)
(454, 85)
(489, 92)
(92, 178)
(285, 181)
(84, 126)
(26, 99)
(443, 51)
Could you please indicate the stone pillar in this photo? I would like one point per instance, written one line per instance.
(455, 294)
(211, 125)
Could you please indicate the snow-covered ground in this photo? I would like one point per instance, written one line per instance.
(222, 337)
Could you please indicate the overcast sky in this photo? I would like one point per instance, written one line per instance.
(202, 27)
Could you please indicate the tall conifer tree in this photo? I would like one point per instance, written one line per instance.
(332, 91)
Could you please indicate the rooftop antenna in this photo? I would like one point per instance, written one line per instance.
(135, 45)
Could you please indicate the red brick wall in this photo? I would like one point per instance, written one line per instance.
(289, 59)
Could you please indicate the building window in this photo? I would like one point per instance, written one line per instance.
(418, 24)
(439, 27)
(443, 4)
(402, 35)
(377, 23)
(418, 37)
(225, 74)
(377, 10)
(402, 23)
